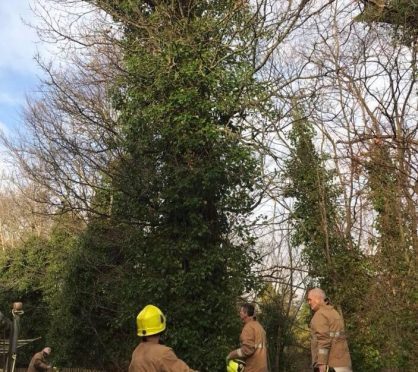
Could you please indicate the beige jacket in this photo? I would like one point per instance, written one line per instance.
(253, 347)
(151, 357)
(328, 339)
(38, 363)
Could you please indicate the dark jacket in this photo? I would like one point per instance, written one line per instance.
(38, 363)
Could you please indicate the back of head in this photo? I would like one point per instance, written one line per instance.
(318, 293)
(249, 309)
(150, 321)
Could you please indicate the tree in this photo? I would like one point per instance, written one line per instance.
(20, 216)
(400, 14)
(165, 182)
(280, 316)
(32, 272)
(149, 134)
(362, 97)
(392, 291)
(185, 170)
(315, 214)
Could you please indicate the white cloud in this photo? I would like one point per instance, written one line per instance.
(9, 99)
(4, 128)
(19, 43)
(17, 40)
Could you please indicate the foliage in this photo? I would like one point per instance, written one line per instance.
(32, 273)
(334, 262)
(177, 235)
(330, 256)
(400, 14)
(23, 271)
(150, 137)
(282, 322)
(389, 342)
(94, 306)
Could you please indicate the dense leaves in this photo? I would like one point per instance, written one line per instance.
(185, 171)
(34, 274)
(330, 255)
(157, 136)
(175, 199)
(393, 288)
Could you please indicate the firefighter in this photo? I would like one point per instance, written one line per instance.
(150, 355)
(328, 339)
(39, 361)
(253, 349)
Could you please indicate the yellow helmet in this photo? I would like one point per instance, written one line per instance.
(150, 321)
(235, 365)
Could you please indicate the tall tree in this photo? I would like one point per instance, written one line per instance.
(327, 251)
(393, 263)
(179, 192)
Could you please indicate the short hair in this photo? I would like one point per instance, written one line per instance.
(248, 308)
(318, 292)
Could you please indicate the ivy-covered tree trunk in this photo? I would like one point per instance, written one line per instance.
(177, 237)
(331, 260)
(390, 300)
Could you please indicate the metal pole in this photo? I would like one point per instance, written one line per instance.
(17, 311)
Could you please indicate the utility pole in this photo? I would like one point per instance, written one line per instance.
(13, 327)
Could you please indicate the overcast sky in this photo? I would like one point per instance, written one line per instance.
(18, 70)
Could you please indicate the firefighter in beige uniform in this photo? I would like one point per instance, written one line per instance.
(328, 340)
(39, 361)
(253, 342)
(150, 355)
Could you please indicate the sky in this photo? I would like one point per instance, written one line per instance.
(19, 74)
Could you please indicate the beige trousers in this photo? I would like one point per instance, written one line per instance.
(343, 369)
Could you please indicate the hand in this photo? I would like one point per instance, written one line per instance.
(230, 356)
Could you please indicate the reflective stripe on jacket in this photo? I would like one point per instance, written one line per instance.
(253, 347)
(151, 357)
(328, 339)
